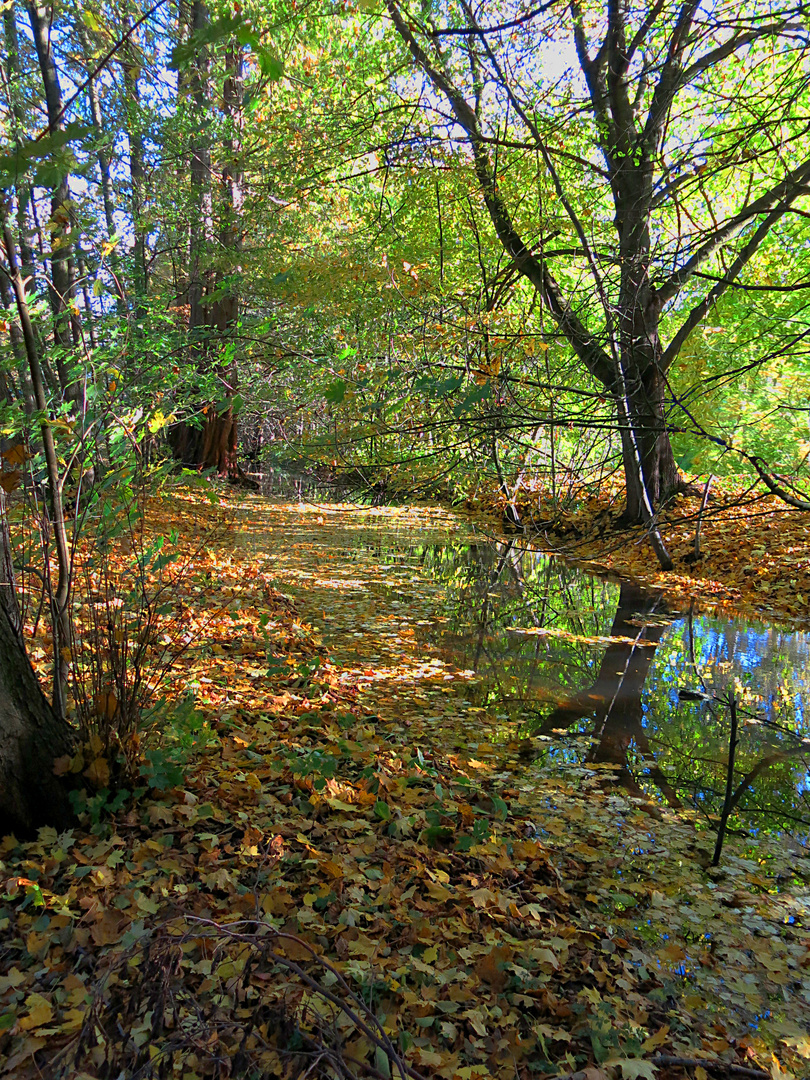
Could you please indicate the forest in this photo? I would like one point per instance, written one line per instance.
(404, 539)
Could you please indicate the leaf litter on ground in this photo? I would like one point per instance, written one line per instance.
(753, 552)
(354, 875)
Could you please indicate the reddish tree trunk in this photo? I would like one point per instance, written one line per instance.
(211, 446)
(212, 442)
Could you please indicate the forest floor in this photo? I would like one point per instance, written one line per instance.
(754, 550)
(355, 878)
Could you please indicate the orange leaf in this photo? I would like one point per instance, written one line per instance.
(10, 481)
(98, 773)
(490, 968)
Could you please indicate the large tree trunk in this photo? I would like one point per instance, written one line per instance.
(212, 442)
(648, 428)
(211, 446)
(31, 738)
(650, 470)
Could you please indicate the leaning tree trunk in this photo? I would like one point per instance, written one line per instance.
(31, 738)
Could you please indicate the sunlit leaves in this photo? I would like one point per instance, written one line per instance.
(220, 29)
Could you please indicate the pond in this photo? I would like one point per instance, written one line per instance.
(563, 666)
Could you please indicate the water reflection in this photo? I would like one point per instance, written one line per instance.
(614, 699)
(565, 652)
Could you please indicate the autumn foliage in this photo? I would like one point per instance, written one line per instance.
(349, 876)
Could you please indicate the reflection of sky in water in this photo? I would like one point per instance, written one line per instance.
(761, 659)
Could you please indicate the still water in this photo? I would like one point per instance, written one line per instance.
(577, 668)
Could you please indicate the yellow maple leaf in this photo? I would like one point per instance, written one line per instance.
(40, 1012)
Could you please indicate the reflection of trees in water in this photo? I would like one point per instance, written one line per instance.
(624, 693)
(495, 588)
(614, 698)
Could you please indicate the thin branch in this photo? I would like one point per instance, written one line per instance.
(699, 311)
(778, 198)
(100, 67)
(466, 31)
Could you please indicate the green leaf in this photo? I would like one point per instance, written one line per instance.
(335, 393)
(382, 1062)
(632, 1068)
(382, 810)
(33, 150)
(216, 30)
(435, 835)
(269, 64)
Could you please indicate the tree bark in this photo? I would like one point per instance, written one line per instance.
(211, 443)
(31, 738)
(646, 407)
(60, 600)
(137, 173)
(67, 332)
(102, 154)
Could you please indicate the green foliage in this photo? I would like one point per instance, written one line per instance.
(222, 28)
(42, 152)
(180, 733)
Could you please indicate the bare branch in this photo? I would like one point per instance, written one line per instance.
(532, 266)
(699, 311)
(779, 198)
(466, 31)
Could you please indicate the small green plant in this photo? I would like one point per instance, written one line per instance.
(182, 732)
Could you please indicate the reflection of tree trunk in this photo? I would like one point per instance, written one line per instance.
(492, 580)
(614, 699)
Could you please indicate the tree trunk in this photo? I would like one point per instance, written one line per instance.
(212, 446)
(66, 324)
(137, 173)
(102, 154)
(31, 738)
(61, 624)
(646, 424)
(212, 442)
